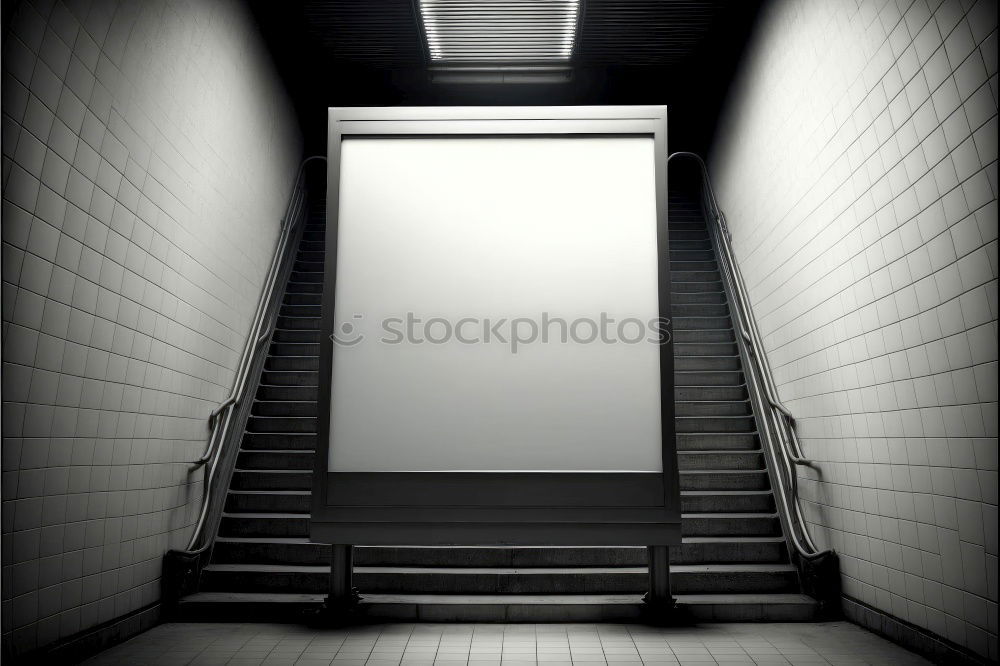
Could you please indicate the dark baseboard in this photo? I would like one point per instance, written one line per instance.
(916, 639)
(76, 648)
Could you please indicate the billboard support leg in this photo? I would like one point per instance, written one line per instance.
(342, 594)
(658, 600)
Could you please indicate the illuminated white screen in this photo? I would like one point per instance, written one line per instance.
(480, 229)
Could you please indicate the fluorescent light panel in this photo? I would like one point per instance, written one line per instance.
(500, 31)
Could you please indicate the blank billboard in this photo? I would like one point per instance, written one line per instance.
(496, 305)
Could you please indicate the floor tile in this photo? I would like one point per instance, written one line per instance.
(209, 644)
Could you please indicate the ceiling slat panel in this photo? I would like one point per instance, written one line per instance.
(653, 32)
(361, 31)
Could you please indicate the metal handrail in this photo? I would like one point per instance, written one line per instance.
(779, 435)
(260, 330)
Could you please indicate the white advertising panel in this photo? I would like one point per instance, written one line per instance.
(496, 305)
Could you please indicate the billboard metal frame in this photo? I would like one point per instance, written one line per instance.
(496, 508)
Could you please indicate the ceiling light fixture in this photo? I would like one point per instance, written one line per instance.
(503, 32)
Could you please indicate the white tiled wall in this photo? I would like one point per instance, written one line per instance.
(148, 152)
(858, 170)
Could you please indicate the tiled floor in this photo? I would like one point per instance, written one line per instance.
(496, 644)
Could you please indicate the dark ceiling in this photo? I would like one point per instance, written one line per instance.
(682, 53)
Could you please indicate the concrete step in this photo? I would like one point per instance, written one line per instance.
(727, 549)
(699, 309)
(313, 277)
(685, 221)
(689, 244)
(724, 480)
(682, 265)
(300, 310)
(301, 607)
(710, 393)
(261, 550)
(273, 523)
(299, 550)
(290, 378)
(296, 335)
(709, 501)
(687, 234)
(309, 408)
(696, 408)
(246, 523)
(296, 287)
(282, 423)
(719, 460)
(684, 579)
(714, 424)
(708, 378)
(730, 524)
(701, 336)
(701, 323)
(302, 299)
(281, 459)
(270, 440)
(299, 323)
(788, 607)
(733, 578)
(271, 550)
(678, 286)
(709, 297)
(717, 441)
(269, 501)
(244, 479)
(704, 363)
(298, 608)
(267, 524)
(706, 276)
(515, 557)
(310, 363)
(428, 580)
(684, 349)
(727, 501)
(270, 392)
(294, 349)
(691, 255)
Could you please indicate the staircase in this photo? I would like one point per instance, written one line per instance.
(733, 564)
